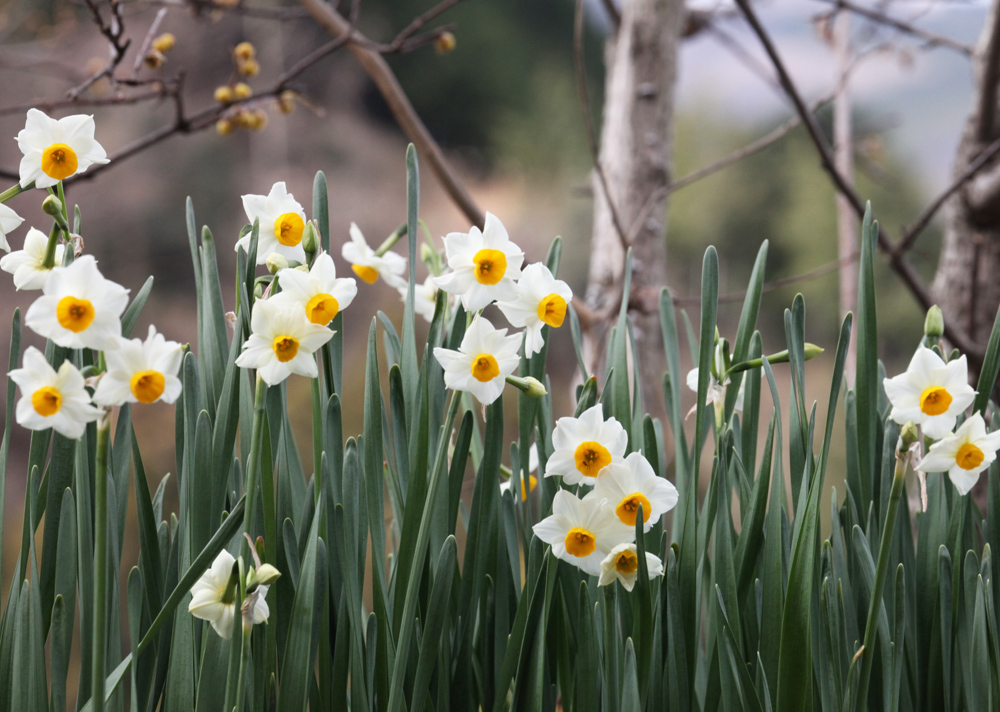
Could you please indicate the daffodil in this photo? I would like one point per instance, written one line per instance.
(370, 266)
(9, 221)
(581, 532)
(483, 361)
(716, 389)
(963, 455)
(541, 300)
(50, 398)
(622, 563)
(424, 297)
(484, 265)
(55, 149)
(281, 222)
(931, 393)
(584, 446)
(532, 479)
(213, 596)
(141, 372)
(319, 291)
(79, 308)
(630, 484)
(26, 264)
(282, 342)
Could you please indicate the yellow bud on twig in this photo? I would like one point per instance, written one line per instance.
(242, 91)
(164, 43)
(224, 95)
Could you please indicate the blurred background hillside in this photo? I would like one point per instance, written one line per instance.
(504, 106)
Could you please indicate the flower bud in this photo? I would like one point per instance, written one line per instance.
(249, 68)
(224, 95)
(276, 262)
(258, 290)
(531, 387)
(445, 43)
(310, 238)
(267, 574)
(286, 102)
(223, 127)
(908, 435)
(53, 206)
(244, 51)
(154, 59)
(934, 323)
(811, 351)
(164, 43)
(242, 91)
(426, 253)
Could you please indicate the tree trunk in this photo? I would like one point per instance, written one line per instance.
(635, 156)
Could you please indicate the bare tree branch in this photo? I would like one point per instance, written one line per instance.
(114, 31)
(147, 41)
(932, 39)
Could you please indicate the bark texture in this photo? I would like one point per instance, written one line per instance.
(635, 155)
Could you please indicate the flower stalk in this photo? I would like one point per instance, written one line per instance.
(99, 650)
(253, 461)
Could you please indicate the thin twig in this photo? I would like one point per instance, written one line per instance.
(147, 41)
(932, 39)
(206, 6)
(418, 23)
(113, 31)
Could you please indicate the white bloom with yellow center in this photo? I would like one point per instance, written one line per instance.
(622, 563)
(484, 265)
(213, 596)
(483, 361)
(282, 343)
(9, 221)
(963, 455)
(319, 291)
(541, 300)
(50, 398)
(369, 266)
(632, 483)
(931, 393)
(716, 391)
(424, 297)
(55, 149)
(532, 479)
(79, 308)
(26, 264)
(581, 532)
(584, 446)
(280, 224)
(141, 371)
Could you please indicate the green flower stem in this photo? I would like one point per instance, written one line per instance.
(15, 189)
(245, 632)
(253, 461)
(611, 654)
(49, 261)
(62, 197)
(391, 240)
(100, 641)
(881, 570)
(317, 418)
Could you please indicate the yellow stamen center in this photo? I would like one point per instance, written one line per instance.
(591, 457)
(628, 509)
(969, 457)
(485, 368)
(935, 400)
(368, 274)
(552, 310)
(580, 542)
(532, 483)
(46, 401)
(288, 229)
(627, 563)
(321, 309)
(285, 347)
(490, 266)
(74, 314)
(147, 386)
(59, 161)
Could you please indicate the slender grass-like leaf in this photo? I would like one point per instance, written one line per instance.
(321, 209)
(444, 572)
(867, 383)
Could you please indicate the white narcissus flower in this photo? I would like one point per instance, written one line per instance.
(141, 371)
(424, 297)
(26, 264)
(584, 446)
(319, 291)
(280, 224)
(622, 563)
(581, 532)
(963, 455)
(79, 308)
(213, 596)
(541, 299)
(282, 343)
(716, 391)
(931, 393)
(532, 479)
(55, 149)
(627, 485)
(484, 265)
(369, 266)
(50, 398)
(9, 221)
(483, 361)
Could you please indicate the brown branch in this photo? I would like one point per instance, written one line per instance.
(932, 39)
(148, 41)
(48, 106)
(206, 6)
(986, 105)
(613, 14)
(418, 23)
(113, 31)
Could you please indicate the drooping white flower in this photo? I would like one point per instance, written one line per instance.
(213, 597)
(26, 264)
(963, 455)
(484, 265)
(622, 563)
(632, 483)
(369, 266)
(716, 391)
(581, 532)
(282, 343)
(141, 371)
(584, 446)
(931, 393)
(79, 308)
(50, 398)
(424, 297)
(532, 479)
(55, 149)
(281, 222)
(319, 291)
(9, 221)
(541, 299)
(483, 361)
